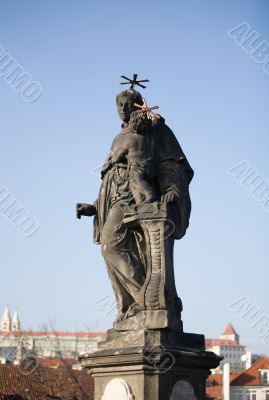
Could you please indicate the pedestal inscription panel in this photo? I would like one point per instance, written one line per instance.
(117, 389)
(183, 390)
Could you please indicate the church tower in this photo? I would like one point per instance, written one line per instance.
(15, 323)
(5, 321)
(230, 334)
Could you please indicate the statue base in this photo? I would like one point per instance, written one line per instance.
(150, 319)
(150, 365)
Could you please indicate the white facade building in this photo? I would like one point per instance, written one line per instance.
(229, 347)
(15, 342)
(253, 384)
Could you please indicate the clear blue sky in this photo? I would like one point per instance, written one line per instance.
(213, 96)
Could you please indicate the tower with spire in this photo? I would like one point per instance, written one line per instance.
(15, 323)
(6, 321)
(230, 334)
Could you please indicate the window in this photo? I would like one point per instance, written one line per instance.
(237, 395)
(264, 377)
(267, 395)
(251, 395)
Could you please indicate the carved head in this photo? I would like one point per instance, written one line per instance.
(125, 103)
(139, 122)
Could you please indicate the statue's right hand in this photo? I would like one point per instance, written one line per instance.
(85, 209)
(105, 168)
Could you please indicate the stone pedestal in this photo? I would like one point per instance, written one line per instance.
(150, 365)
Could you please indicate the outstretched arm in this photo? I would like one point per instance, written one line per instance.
(88, 210)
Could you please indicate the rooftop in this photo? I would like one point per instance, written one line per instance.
(229, 330)
(45, 383)
(251, 376)
(222, 342)
(45, 333)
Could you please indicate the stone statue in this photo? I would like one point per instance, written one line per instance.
(142, 207)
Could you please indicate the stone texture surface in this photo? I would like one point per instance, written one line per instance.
(183, 390)
(153, 369)
(155, 319)
(117, 389)
(150, 338)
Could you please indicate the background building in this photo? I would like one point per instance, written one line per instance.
(252, 384)
(14, 343)
(228, 346)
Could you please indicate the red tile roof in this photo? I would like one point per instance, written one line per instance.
(222, 342)
(251, 377)
(42, 333)
(44, 383)
(229, 330)
(214, 385)
(54, 362)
